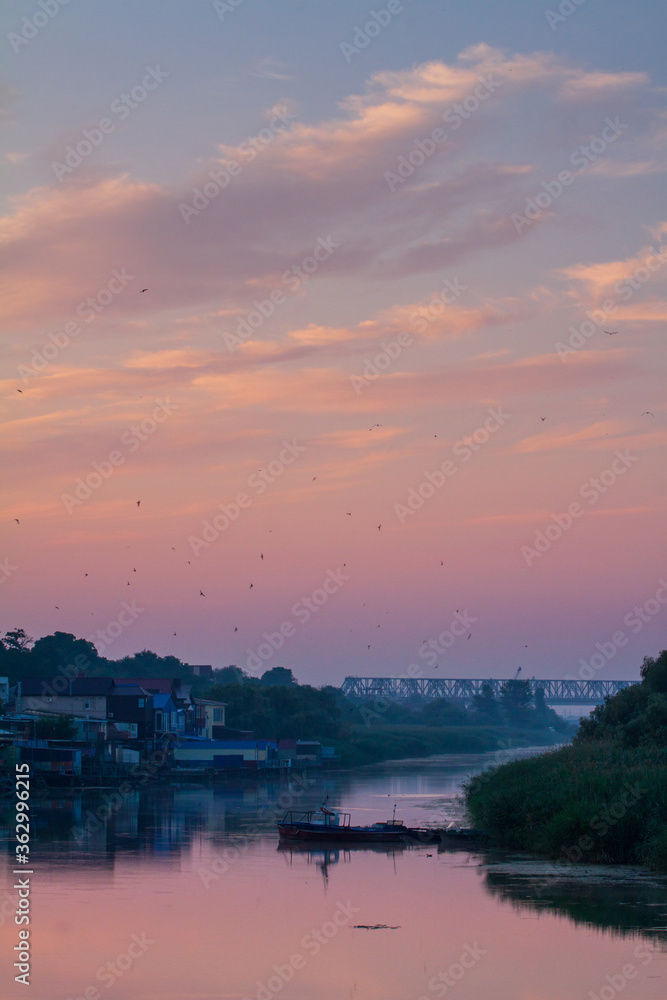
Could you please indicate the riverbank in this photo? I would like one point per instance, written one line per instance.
(374, 744)
(589, 802)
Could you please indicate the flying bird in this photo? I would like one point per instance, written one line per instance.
(251, 586)
(647, 413)
(143, 290)
(379, 526)
(20, 390)
(235, 628)
(469, 635)
(56, 607)
(543, 418)
(17, 520)
(138, 503)
(202, 594)
(261, 555)
(374, 425)
(611, 332)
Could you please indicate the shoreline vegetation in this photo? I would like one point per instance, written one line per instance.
(274, 706)
(602, 799)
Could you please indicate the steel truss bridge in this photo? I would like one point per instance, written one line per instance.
(556, 692)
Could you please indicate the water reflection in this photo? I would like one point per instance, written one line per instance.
(201, 872)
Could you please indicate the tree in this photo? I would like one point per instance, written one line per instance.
(277, 677)
(229, 675)
(54, 727)
(515, 698)
(62, 653)
(654, 673)
(486, 705)
(17, 639)
(149, 664)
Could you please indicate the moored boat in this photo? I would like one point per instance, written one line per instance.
(331, 826)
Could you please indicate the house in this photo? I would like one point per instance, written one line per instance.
(204, 754)
(169, 718)
(130, 703)
(85, 697)
(202, 669)
(207, 714)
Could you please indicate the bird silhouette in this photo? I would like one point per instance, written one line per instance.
(251, 586)
(261, 555)
(379, 526)
(202, 594)
(374, 425)
(611, 332)
(20, 390)
(143, 290)
(138, 503)
(647, 413)
(235, 629)
(17, 520)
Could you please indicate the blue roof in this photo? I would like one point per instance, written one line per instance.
(164, 701)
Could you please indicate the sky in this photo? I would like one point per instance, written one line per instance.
(334, 333)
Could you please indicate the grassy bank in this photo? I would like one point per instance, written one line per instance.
(589, 802)
(372, 744)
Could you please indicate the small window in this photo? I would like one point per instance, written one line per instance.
(87, 704)
(141, 702)
(217, 715)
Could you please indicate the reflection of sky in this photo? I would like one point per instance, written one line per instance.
(355, 121)
(262, 908)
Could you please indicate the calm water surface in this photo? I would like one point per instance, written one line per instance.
(183, 894)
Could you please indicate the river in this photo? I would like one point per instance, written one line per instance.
(181, 893)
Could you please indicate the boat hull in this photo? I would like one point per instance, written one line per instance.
(344, 835)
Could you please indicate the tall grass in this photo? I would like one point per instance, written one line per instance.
(589, 802)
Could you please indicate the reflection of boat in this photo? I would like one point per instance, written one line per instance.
(333, 827)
